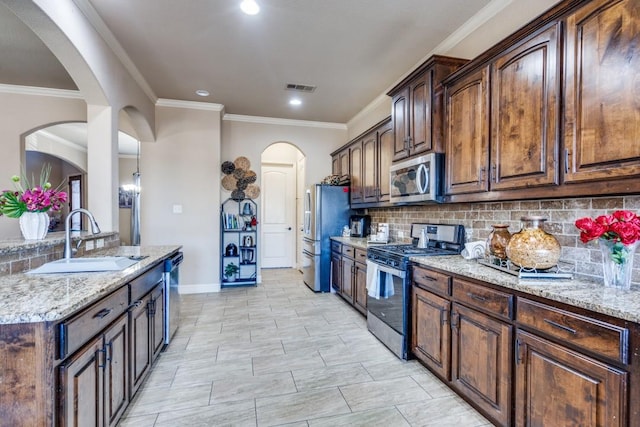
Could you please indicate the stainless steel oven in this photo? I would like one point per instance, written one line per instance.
(389, 287)
(385, 317)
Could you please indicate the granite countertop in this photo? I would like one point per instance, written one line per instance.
(32, 298)
(358, 242)
(579, 293)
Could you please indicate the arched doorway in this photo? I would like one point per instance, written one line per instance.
(282, 181)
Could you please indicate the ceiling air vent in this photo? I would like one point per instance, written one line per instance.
(300, 88)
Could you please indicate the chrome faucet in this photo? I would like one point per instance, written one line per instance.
(68, 252)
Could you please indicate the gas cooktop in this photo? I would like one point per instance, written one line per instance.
(444, 239)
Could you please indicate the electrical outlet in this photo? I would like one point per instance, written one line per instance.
(177, 209)
(88, 245)
(99, 243)
(400, 234)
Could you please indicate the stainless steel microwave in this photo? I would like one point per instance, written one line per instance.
(417, 180)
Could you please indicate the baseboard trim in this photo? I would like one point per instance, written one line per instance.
(199, 289)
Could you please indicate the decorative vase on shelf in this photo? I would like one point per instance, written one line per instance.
(34, 225)
(498, 240)
(617, 263)
(532, 247)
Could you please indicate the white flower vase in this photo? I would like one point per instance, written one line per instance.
(34, 225)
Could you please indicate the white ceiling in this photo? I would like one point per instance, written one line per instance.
(352, 50)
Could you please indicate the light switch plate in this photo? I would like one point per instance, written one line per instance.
(400, 234)
(88, 245)
(99, 243)
(177, 209)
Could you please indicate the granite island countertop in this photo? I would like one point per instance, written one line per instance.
(32, 298)
(579, 293)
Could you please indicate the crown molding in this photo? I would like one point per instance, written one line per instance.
(40, 91)
(192, 105)
(472, 24)
(283, 122)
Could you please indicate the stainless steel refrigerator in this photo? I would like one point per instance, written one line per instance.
(326, 212)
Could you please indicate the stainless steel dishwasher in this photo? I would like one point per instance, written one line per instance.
(171, 295)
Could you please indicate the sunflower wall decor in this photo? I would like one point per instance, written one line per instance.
(239, 179)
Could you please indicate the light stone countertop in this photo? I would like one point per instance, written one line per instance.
(33, 298)
(360, 242)
(579, 293)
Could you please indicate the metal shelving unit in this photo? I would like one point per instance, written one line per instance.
(238, 242)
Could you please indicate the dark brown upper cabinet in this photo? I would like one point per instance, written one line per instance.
(525, 86)
(416, 108)
(602, 92)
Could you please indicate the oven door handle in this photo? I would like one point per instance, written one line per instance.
(389, 270)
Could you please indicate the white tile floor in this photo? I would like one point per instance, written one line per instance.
(278, 354)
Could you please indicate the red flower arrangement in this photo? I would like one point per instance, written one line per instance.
(620, 226)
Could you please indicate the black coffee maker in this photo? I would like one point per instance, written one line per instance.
(360, 225)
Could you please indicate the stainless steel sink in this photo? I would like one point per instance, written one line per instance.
(81, 265)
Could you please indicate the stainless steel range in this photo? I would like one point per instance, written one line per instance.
(388, 284)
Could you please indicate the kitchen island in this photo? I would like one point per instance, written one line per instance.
(75, 347)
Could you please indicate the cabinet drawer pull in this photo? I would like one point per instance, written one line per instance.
(476, 297)
(559, 326)
(135, 304)
(103, 313)
(429, 278)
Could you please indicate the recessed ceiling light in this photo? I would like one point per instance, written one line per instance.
(295, 101)
(250, 7)
(202, 92)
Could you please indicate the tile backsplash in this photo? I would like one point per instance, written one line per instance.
(560, 213)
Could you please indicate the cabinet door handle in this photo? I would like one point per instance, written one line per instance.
(476, 297)
(444, 316)
(559, 326)
(566, 160)
(103, 313)
(494, 173)
(109, 353)
(481, 174)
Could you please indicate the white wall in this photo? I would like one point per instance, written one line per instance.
(183, 168)
(19, 115)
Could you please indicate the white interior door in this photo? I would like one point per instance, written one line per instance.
(278, 216)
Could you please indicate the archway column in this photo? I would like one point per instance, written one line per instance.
(102, 165)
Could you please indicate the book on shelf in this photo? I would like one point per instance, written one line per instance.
(231, 221)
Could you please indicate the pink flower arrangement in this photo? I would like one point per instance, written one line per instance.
(39, 198)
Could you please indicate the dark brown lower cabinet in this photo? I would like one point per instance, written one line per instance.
(347, 278)
(349, 275)
(94, 381)
(431, 333)
(525, 361)
(157, 325)
(481, 361)
(360, 293)
(140, 342)
(556, 386)
(336, 271)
